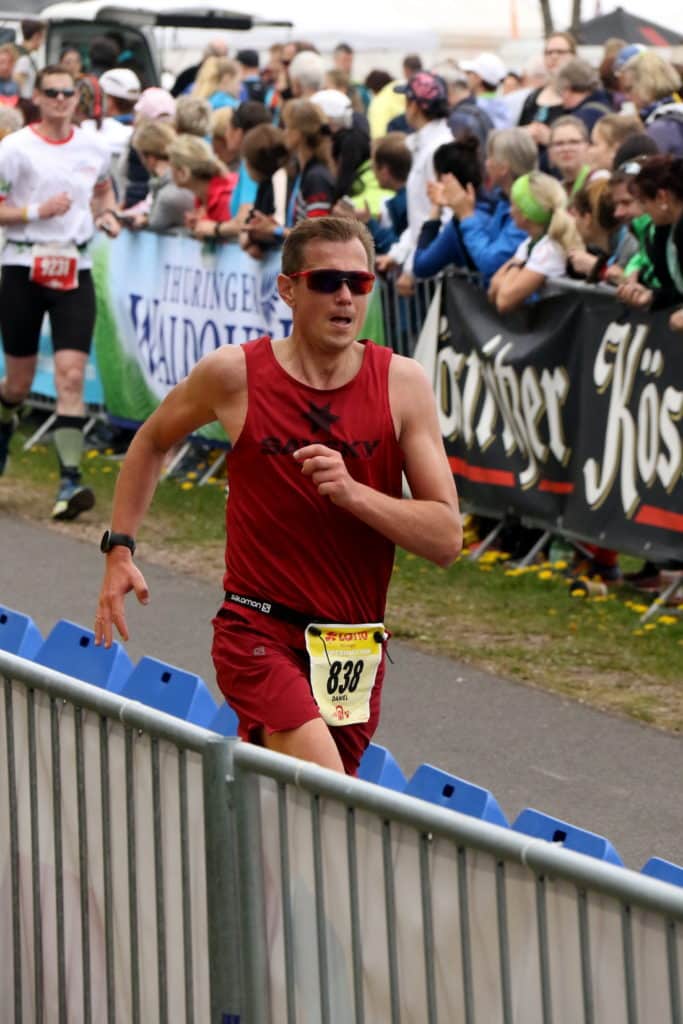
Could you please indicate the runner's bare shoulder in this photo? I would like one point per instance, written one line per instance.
(223, 372)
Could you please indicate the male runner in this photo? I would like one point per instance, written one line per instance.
(54, 182)
(322, 426)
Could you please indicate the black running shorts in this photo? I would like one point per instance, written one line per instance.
(24, 303)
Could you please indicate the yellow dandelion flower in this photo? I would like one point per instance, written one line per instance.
(667, 620)
(638, 632)
(650, 626)
(92, 454)
(186, 486)
(546, 574)
(638, 608)
(106, 469)
(192, 475)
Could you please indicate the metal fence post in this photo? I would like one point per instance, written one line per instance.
(223, 916)
(252, 903)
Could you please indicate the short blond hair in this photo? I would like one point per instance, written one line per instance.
(153, 137)
(194, 155)
(192, 116)
(652, 77)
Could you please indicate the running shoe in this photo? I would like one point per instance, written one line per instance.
(6, 431)
(72, 499)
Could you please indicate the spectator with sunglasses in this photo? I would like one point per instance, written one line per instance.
(322, 427)
(55, 188)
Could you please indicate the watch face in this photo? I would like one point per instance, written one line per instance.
(104, 543)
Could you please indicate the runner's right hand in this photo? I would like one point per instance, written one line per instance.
(121, 575)
(55, 206)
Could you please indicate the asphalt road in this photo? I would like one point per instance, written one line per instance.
(530, 748)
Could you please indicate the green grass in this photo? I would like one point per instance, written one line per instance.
(523, 625)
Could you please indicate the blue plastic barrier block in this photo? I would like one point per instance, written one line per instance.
(170, 689)
(664, 870)
(554, 830)
(224, 721)
(379, 765)
(71, 649)
(438, 787)
(18, 633)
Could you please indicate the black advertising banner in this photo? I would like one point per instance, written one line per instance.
(568, 413)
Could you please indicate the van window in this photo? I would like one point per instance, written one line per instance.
(133, 46)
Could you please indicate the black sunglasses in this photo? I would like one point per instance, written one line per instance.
(328, 282)
(53, 94)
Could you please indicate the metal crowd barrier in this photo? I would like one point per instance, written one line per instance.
(114, 821)
(404, 316)
(368, 906)
(152, 872)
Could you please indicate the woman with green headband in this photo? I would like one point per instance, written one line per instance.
(539, 207)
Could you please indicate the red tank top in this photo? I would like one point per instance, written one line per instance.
(287, 543)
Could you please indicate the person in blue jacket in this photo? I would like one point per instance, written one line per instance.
(489, 235)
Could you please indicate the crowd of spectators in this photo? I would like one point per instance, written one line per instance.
(517, 176)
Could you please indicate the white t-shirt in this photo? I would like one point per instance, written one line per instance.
(26, 67)
(547, 257)
(112, 132)
(34, 168)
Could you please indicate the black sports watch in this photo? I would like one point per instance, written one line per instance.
(112, 540)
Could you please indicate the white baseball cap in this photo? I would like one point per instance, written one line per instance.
(122, 83)
(488, 66)
(335, 105)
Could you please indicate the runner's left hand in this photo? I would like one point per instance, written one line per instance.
(327, 471)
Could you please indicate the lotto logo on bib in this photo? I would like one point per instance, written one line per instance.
(344, 662)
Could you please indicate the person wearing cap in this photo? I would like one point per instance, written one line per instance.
(484, 75)
(120, 90)
(55, 189)
(427, 111)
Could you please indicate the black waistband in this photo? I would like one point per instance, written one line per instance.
(270, 608)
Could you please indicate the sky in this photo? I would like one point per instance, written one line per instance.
(664, 12)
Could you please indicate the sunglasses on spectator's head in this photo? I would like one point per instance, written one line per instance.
(328, 282)
(630, 167)
(53, 94)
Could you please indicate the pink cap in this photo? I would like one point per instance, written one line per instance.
(154, 103)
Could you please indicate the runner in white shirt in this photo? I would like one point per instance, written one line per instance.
(54, 187)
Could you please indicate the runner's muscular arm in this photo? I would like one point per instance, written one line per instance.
(214, 382)
(428, 524)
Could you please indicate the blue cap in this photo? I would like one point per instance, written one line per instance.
(625, 54)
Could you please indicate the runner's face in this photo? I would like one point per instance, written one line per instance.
(329, 322)
(60, 107)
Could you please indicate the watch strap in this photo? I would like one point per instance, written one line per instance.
(112, 540)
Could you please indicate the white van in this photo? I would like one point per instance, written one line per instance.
(143, 32)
